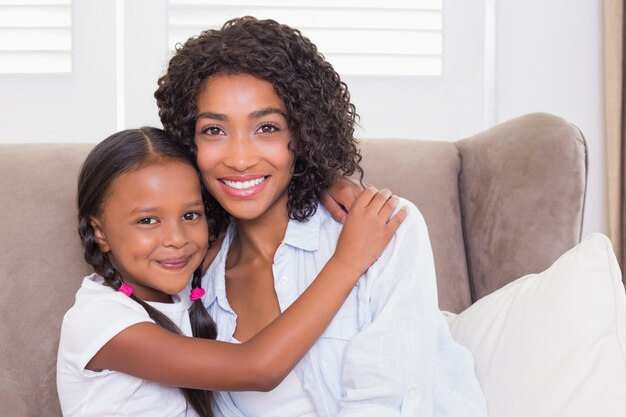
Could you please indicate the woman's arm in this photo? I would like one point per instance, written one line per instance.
(150, 352)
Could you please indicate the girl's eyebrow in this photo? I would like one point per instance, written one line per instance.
(152, 209)
(198, 203)
(142, 210)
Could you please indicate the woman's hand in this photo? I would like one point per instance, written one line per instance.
(339, 197)
(368, 228)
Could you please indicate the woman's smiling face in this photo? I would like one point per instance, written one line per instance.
(242, 136)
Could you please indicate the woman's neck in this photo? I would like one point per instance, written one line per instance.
(260, 237)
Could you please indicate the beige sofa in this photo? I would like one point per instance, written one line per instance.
(500, 204)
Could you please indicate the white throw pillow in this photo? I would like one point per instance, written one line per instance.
(553, 344)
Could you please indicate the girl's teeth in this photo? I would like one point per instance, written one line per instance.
(240, 185)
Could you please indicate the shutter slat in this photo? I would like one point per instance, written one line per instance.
(312, 18)
(35, 2)
(347, 4)
(12, 62)
(45, 16)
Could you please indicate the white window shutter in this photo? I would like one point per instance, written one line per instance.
(365, 37)
(35, 36)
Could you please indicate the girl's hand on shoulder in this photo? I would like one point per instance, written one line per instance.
(369, 227)
(340, 196)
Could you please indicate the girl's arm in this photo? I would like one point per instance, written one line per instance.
(148, 351)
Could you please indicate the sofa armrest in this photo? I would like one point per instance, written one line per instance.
(522, 191)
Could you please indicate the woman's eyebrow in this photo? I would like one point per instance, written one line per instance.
(265, 111)
(211, 115)
(253, 115)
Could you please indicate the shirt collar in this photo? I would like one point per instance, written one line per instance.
(213, 280)
(306, 235)
(302, 235)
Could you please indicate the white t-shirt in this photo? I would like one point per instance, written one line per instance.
(286, 400)
(98, 314)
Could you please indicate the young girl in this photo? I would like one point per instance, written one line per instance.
(271, 124)
(124, 345)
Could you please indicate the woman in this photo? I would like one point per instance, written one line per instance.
(271, 124)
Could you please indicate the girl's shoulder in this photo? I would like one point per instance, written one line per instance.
(99, 306)
(94, 293)
(98, 314)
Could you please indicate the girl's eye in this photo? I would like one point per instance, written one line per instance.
(191, 215)
(268, 128)
(147, 220)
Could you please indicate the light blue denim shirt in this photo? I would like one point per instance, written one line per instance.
(388, 351)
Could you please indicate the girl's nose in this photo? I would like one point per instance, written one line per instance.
(174, 235)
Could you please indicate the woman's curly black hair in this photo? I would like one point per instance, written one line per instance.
(320, 114)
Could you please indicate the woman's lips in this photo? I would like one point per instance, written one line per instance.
(243, 187)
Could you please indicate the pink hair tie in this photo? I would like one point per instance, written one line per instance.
(126, 289)
(196, 294)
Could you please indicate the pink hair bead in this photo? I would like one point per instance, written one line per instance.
(196, 294)
(126, 289)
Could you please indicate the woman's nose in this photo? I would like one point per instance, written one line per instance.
(240, 154)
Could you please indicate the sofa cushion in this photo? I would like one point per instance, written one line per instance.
(553, 344)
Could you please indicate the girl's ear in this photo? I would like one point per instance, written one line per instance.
(99, 235)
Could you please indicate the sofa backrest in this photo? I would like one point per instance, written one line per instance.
(498, 205)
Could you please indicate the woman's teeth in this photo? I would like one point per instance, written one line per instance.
(240, 185)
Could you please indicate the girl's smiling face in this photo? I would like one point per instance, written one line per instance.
(242, 136)
(153, 228)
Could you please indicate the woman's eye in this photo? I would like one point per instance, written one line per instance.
(211, 130)
(191, 215)
(268, 128)
(147, 220)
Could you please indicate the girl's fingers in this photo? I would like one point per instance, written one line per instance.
(380, 204)
(365, 198)
(387, 209)
(372, 198)
(335, 209)
(397, 219)
(380, 199)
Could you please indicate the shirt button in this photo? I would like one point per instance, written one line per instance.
(284, 280)
(412, 394)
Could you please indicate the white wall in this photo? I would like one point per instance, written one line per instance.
(549, 58)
